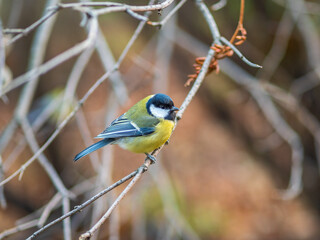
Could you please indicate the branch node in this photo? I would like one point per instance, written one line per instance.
(21, 173)
(85, 236)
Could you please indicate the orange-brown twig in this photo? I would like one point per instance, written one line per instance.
(221, 51)
(239, 28)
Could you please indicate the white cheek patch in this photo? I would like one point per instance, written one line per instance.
(159, 112)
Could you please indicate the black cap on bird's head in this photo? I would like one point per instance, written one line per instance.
(162, 106)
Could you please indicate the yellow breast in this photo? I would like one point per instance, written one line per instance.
(146, 144)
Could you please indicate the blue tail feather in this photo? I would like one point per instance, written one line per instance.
(93, 147)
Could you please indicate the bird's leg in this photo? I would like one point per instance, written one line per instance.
(152, 158)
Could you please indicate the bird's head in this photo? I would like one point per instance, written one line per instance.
(161, 106)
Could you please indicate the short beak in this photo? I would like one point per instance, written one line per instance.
(173, 109)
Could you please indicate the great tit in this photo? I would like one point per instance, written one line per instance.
(143, 128)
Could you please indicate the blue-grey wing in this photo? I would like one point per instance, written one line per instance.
(122, 127)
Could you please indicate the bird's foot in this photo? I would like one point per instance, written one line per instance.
(152, 158)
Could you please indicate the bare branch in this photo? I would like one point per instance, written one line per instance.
(66, 222)
(136, 15)
(51, 173)
(137, 176)
(15, 13)
(170, 14)
(240, 22)
(85, 44)
(44, 68)
(36, 58)
(19, 228)
(164, 50)
(169, 200)
(117, 7)
(270, 111)
(205, 66)
(210, 21)
(108, 62)
(33, 26)
(219, 5)
(87, 138)
(36, 125)
(85, 204)
(2, 58)
(72, 83)
(276, 120)
(3, 202)
(7, 134)
(240, 55)
(279, 46)
(13, 31)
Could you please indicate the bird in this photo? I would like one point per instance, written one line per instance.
(146, 126)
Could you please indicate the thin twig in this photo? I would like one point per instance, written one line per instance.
(205, 66)
(73, 80)
(81, 101)
(7, 134)
(289, 102)
(309, 34)
(108, 61)
(90, 4)
(13, 31)
(268, 107)
(3, 202)
(104, 177)
(83, 205)
(137, 176)
(77, 190)
(22, 225)
(276, 120)
(239, 54)
(66, 54)
(40, 120)
(32, 142)
(169, 15)
(279, 46)
(219, 5)
(66, 222)
(117, 7)
(305, 83)
(15, 13)
(37, 53)
(87, 138)
(170, 208)
(19, 228)
(57, 182)
(33, 26)
(210, 21)
(2, 58)
(240, 22)
(136, 15)
(164, 50)
(49, 65)
(48, 209)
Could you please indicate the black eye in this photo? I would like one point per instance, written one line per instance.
(161, 106)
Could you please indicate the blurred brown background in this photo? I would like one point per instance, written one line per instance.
(225, 173)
